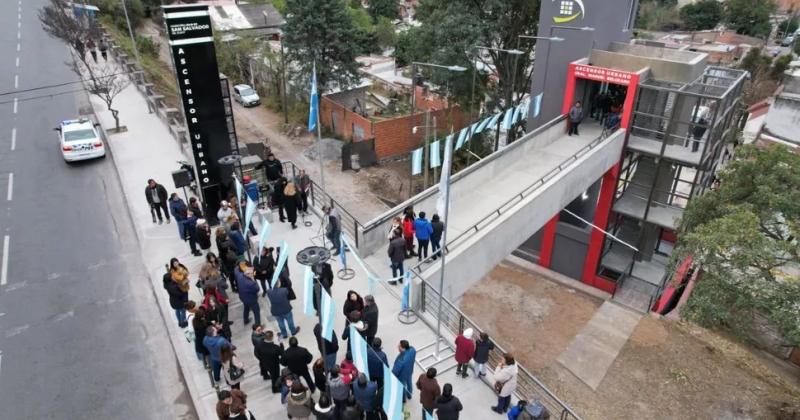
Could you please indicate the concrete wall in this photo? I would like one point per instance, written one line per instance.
(470, 261)
(462, 183)
(667, 67)
(612, 21)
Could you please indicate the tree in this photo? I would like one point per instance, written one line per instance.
(322, 31)
(104, 81)
(788, 26)
(750, 17)
(744, 237)
(658, 15)
(705, 14)
(233, 56)
(385, 34)
(450, 29)
(764, 75)
(383, 8)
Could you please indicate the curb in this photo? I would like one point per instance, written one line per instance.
(174, 339)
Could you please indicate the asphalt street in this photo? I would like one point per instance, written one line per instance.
(81, 336)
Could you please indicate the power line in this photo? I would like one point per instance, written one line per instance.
(49, 95)
(14, 92)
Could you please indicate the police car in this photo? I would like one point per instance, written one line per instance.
(79, 140)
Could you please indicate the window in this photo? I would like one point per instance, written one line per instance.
(78, 135)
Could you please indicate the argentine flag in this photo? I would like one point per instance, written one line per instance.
(266, 229)
(313, 110)
(308, 292)
(358, 348)
(281, 263)
(416, 161)
(327, 311)
(392, 395)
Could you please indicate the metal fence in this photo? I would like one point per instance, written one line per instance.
(529, 388)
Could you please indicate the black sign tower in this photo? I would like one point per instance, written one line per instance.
(192, 43)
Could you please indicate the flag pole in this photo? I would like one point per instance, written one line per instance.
(443, 248)
(319, 134)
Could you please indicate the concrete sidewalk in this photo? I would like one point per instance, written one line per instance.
(147, 150)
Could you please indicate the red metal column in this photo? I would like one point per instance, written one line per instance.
(601, 215)
(548, 239)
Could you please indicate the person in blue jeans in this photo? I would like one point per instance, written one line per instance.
(177, 299)
(178, 210)
(248, 294)
(423, 230)
(214, 344)
(281, 309)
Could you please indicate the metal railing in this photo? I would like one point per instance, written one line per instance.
(317, 198)
(529, 387)
(508, 204)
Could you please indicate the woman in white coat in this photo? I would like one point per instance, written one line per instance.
(505, 377)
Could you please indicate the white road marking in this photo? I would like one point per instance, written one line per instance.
(18, 46)
(4, 272)
(17, 330)
(1, 361)
(13, 138)
(16, 81)
(15, 105)
(10, 186)
(17, 61)
(19, 34)
(19, 24)
(65, 315)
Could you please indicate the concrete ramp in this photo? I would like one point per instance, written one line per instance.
(496, 212)
(596, 347)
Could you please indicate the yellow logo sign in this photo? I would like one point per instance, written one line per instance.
(569, 10)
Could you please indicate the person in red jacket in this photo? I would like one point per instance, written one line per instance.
(465, 349)
(408, 235)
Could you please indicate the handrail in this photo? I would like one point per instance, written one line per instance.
(525, 379)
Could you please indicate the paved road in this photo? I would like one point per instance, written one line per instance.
(80, 334)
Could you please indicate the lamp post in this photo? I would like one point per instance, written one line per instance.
(414, 131)
(414, 64)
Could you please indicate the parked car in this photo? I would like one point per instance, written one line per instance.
(79, 140)
(789, 40)
(246, 95)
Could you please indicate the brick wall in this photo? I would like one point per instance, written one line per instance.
(426, 99)
(346, 122)
(393, 137)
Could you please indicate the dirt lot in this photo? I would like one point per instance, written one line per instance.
(667, 369)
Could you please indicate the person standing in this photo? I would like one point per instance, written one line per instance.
(365, 393)
(239, 243)
(103, 46)
(179, 211)
(436, 235)
(225, 213)
(376, 359)
(92, 49)
(156, 196)
(333, 230)
(190, 230)
(408, 235)
(338, 390)
(297, 358)
(214, 343)
(575, 117)
(423, 231)
(323, 410)
(248, 294)
(303, 184)
(330, 348)
(177, 299)
(232, 367)
(203, 234)
(505, 376)
(299, 403)
(227, 256)
(448, 406)
(369, 315)
(281, 309)
(291, 202)
(429, 391)
(403, 367)
(195, 207)
(465, 350)
(269, 359)
(482, 349)
(398, 252)
(277, 196)
(273, 169)
(265, 267)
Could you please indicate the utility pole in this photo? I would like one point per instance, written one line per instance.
(426, 154)
(283, 85)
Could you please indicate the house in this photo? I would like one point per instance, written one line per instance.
(261, 20)
(775, 120)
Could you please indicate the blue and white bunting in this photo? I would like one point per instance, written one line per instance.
(416, 161)
(482, 125)
(434, 157)
(428, 416)
(462, 137)
(308, 292)
(343, 253)
(281, 262)
(537, 105)
(508, 118)
(266, 229)
(493, 122)
(405, 302)
(250, 209)
(358, 348)
(239, 189)
(392, 395)
(327, 312)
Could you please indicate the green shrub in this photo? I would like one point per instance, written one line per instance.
(147, 46)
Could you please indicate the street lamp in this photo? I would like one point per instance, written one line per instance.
(452, 68)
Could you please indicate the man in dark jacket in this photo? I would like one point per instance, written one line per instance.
(269, 359)
(397, 253)
(281, 309)
(297, 358)
(177, 299)
(376, 359)
(156, 196)
(273, 169)
(447, 405)
(436, 236)
(178, 210)
(190, 230)
(370, 317)
(331, 347)
(239, 243)
(366, 394)
(248, 294)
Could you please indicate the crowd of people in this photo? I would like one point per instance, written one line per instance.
(324, 384)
